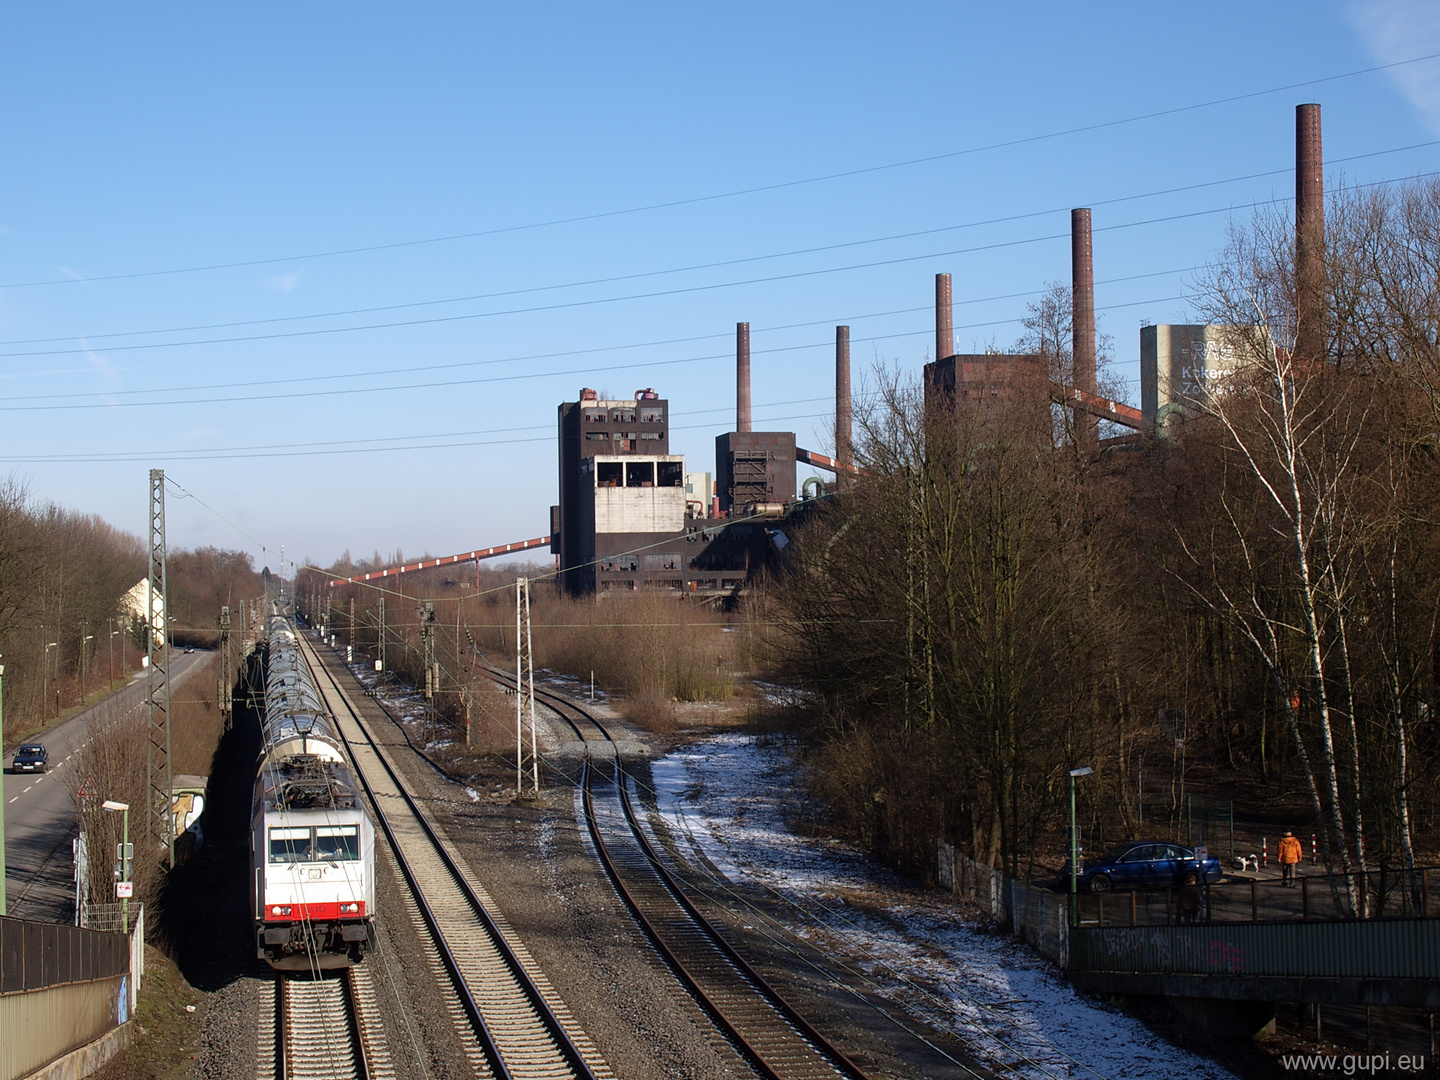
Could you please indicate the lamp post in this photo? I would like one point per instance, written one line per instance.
(3, 909)
(124, 809)
(1084, 770)
(83, 639)
(110, 671)
(45, 684)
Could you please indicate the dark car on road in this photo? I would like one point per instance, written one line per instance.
(1144, 864)
(31, 757)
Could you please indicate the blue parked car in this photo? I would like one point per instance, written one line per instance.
(1143, 864)
(31, 757)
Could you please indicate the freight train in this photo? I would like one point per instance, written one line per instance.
(312, 845)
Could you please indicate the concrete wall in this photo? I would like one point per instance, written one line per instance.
(40, 1026)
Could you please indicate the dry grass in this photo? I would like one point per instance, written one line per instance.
(654, 649)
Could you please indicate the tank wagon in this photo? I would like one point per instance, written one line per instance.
(312, 845)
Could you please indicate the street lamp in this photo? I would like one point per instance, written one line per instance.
(84, 638)
(44, 681)
(1084, 770)
(110, 670)
(124, 809)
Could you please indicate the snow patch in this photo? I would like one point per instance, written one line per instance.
(725, 800)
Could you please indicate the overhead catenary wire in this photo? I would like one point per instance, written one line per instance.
(753, 190)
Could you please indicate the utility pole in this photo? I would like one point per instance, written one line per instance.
(380, 639)
(432, 669)
(222, 692)
(524, 688)
(352, 628)
(157, 697)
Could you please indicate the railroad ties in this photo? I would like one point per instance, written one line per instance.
(775, 1040)
(509, 1017)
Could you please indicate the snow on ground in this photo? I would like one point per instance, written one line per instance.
(726, 796)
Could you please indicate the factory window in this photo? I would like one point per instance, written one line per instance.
(623, 416)
(609, 474)
(621, 564)
(290, 845)
(623, 435)
(640, 474)
(597, 436)
(662, 562)
(652, 434)
(337, 843)
(595, 416)
(671, 473)
(652, 415)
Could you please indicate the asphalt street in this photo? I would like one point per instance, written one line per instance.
(39, 809)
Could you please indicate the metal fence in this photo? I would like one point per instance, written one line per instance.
(34, 955)
(1036, 916)
(1313, 898)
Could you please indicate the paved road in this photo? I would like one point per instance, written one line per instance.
(40, 810)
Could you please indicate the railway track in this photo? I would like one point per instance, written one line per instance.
(325, 1028)
(774, 1039)
(510, 1021)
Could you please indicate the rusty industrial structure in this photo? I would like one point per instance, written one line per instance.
(1309, 234)
(630, 516)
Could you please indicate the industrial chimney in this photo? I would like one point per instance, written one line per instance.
(1309, 234)
(843, 454)
(742, 376)
(1082, 323)
(944, 322)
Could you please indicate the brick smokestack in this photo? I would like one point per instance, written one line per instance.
(1082, 321)
(1309, 234)
(742, 376)
(843, 453)
(944, 320)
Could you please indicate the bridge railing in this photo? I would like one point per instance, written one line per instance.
(1373, 894)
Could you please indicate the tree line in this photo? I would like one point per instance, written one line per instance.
(1250, 593)
(65, 631)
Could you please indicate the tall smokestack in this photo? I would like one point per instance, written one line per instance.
(944, 322)
(843, 454)
(1082, 321)
(1309, 233)
(742, 376)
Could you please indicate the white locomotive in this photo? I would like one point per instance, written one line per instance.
(312, 845)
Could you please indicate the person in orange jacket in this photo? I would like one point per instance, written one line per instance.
(1289, 855)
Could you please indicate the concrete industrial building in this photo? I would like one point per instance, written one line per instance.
(1182, 364)
(631, 518)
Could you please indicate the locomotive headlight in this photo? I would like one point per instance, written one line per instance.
(350, 908)
(280, 910)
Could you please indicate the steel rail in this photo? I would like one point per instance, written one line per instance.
(836, 1059)
(513, 965)
(320, 1031)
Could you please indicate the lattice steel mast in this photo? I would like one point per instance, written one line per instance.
(157, 679)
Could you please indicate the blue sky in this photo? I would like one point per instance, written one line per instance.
(290, 229)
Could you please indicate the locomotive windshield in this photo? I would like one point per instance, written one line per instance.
(337, 843)
(289, 845)
(325, 843)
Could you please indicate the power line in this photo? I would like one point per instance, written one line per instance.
(520, 377)
(1007, 219)
(737, 193)
(249, 384)
(661, 293)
